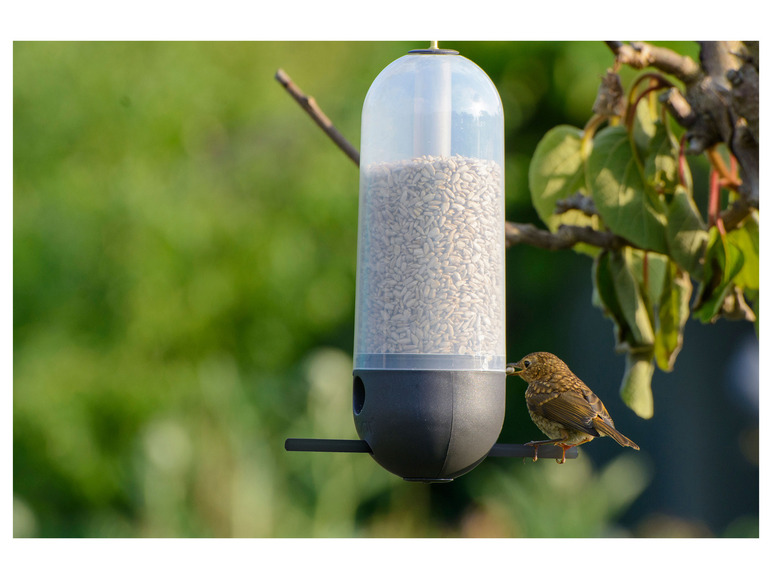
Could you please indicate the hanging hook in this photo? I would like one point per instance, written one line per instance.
(434, 48)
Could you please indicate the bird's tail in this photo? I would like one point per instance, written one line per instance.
(606, 429)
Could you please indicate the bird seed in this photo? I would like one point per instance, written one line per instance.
(431, 277)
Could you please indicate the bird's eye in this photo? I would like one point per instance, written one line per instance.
(526, 363)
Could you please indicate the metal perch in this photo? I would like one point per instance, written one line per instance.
(498, 450)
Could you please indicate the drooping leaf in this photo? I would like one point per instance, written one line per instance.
(615, 181)
(672, 315)
(630, 299)
(618, 294)
(686, 232)
(555, 173)
(723, 261)
(649, 270)
(636, 383)
(735, 306)
(605, 297)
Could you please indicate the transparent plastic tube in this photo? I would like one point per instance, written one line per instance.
(430, 265)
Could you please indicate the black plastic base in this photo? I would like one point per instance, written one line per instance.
(429, 425)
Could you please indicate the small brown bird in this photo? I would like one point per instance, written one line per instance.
(561, 405)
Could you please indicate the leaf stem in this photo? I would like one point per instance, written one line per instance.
(588, 132)
(657, 82)
(714, 198)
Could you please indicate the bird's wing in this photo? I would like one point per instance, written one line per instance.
(572, 408)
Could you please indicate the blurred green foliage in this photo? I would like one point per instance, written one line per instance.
(184, 272)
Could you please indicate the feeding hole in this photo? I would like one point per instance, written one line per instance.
(359, 394)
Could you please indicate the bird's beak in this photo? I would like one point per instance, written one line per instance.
(514, 368)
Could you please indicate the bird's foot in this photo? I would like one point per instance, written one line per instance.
(565, 447)
(535, 446)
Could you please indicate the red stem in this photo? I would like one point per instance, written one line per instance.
(714, 198)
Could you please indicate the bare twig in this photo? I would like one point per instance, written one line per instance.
(641, 54)
(309, 105)
(516, 233)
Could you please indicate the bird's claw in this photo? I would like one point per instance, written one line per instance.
(535, 450)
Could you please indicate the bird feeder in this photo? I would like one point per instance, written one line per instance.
(429, 347)
(429, 351)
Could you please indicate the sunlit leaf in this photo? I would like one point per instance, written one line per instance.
(555, 173)
(645, 125)
(621, 197)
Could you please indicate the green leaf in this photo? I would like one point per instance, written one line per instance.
(686, 232)
(616, 184)
(651, 283)
(618, 294)
(661, 166)
(605, 297)
(555, 173)
(723, 261)
(645, 126)
(630, 299)
(746, 238)
(672, 315)
(636, 383)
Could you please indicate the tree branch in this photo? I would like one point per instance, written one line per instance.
(641, 54)
(565, 237)
(678, 107)
(577, 201)
(720, 103)
(516, 233)
(309, 105)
